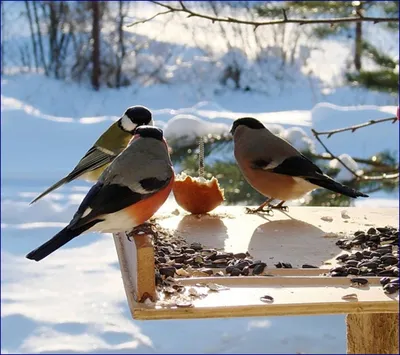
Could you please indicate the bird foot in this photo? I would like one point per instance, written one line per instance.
(129, 237)
(145, 228)
(279, 208)
(259, 210)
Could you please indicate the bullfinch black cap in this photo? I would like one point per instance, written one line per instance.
(149, 132)
(248, 122)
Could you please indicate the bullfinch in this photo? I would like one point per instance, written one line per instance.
(107, 147)
(276, 169)
(129, 191)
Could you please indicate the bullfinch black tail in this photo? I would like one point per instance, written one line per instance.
(334, 186)
(60, 239)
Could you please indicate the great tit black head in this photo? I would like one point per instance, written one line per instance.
(134, 117)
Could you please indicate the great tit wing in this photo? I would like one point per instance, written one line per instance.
(93, 159)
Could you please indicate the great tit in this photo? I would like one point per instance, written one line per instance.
(111, 143)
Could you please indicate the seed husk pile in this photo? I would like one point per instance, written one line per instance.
(370, 253)
(174, 257)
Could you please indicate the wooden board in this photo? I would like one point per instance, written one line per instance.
(304, 235)
(292, 296)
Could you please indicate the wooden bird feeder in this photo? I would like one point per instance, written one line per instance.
(305, 235)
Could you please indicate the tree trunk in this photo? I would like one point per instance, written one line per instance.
(358, 41)
(121, 54)
(28, 12)
(39, 34)
(2, 37)
(96, 44)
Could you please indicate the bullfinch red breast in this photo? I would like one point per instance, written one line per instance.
(129, 191)
(276, 169)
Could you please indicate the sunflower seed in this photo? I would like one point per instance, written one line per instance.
(267, 299)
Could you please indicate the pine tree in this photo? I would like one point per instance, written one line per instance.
(386, 76)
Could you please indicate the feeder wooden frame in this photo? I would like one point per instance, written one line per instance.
(372, 319)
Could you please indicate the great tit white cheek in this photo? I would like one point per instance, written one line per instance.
(127, 124)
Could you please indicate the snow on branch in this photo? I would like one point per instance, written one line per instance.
(285, 19)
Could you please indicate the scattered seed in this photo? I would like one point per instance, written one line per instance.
(198, 273)
(259, 268)
(345, 215)
(351, 296)
(384, 280)
(167, 271)
(196, 246)
(216, 287)
(184, 304)
(236, 272)
(352, 263)
(359, 281)
(246, 271)
(391, 288)
(240, 255)
(267, 299)
(169, 290)
(353, 271)
(342, 257)
(308, 266)
(182, 272)
(193, 292)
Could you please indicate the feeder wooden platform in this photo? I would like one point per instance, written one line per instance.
(304, 235)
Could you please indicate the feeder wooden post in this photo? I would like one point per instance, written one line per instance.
(136, 260)
(373, 333)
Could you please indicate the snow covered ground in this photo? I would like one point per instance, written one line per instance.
(75, 302)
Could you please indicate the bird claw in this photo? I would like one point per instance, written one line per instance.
(259, 210)
(280, 208)
(129, 237)
(144, 228)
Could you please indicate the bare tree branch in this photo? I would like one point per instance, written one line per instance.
(353, 129)
(150, 18)
(190, 13)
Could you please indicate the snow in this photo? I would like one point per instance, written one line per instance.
(186, 128)
(71, 310)
(344, 174)
(75, 302)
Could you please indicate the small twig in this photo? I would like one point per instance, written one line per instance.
(354, 128)
(315, 133)
(370, 162)
(256, 24)
(381, 177)
(201, 157)
(150, 18)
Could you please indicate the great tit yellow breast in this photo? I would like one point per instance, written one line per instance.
(94, 175)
